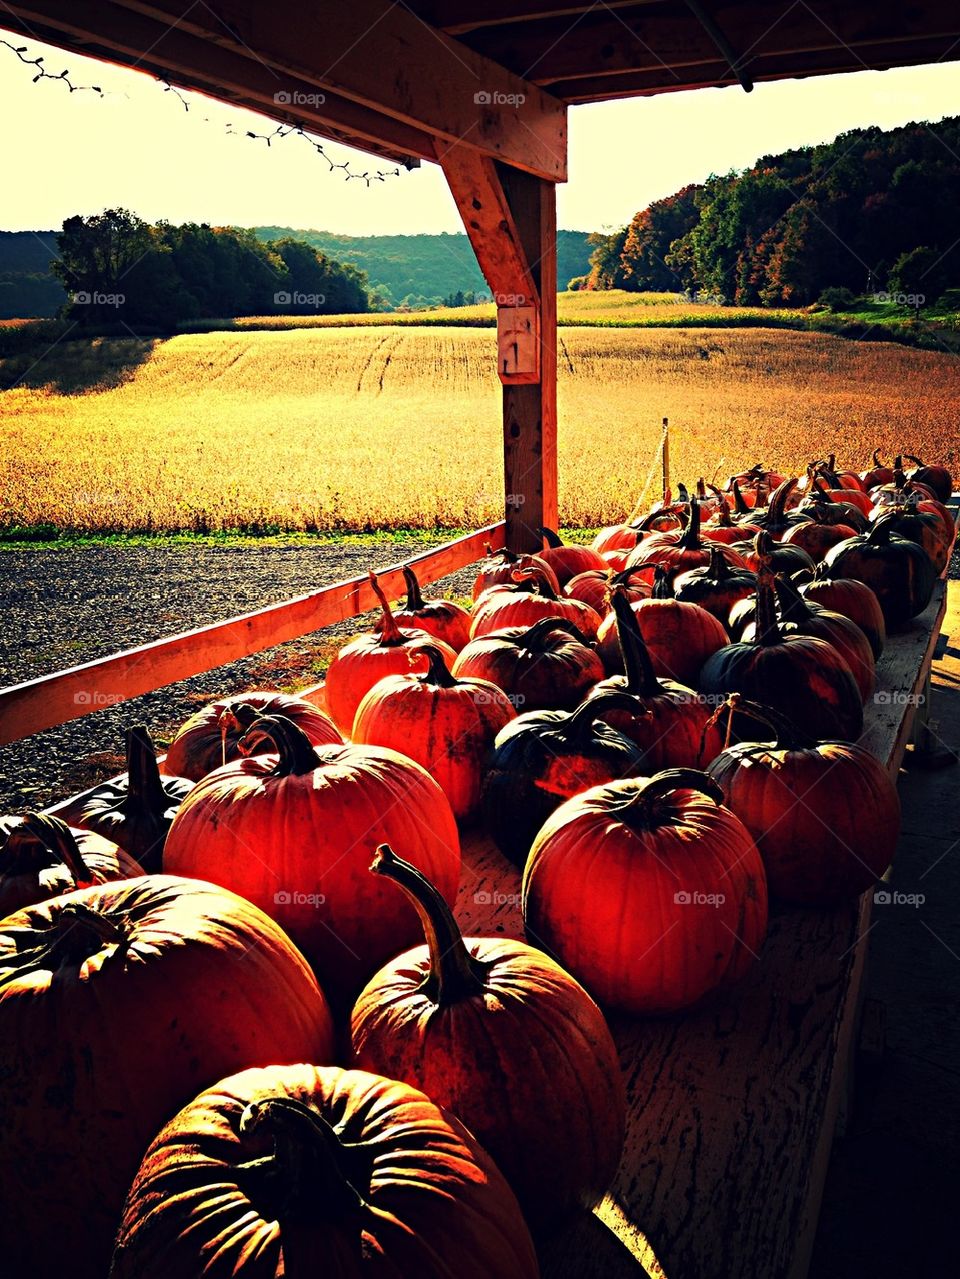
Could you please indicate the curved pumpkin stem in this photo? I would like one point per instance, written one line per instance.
(787, 736)
(915, 460)
(311, 1174)
(876, 459)
(691, 534)
(552, 537)
(39, 842)
(390, 633)
(767, 625)
(641, 677)
(644, 808)
(531, 573)
(533, 638)
(793, 607)
(454, 973)
(739, 505)
(414, 596)
(581, 720)
(662, 586)
(436, 672)
(297, 756)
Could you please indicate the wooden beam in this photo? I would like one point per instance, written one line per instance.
(456, 17)
(55, 699)
(379, 54)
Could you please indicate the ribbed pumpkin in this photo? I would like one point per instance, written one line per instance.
(877, 474)
(689, 551)
(937, 478)
(546, 666)
(500, 566)
(825, 815)
(669, 721)
(442, 619)
(292, 833)
(499, 1035)
(305, 1171)
(360, 664)
(445, 724)
(723, 528)
(595, 588)
(208, 739)
(925, 527)
(135, 812)
(118, 1004)
(715, 586)
(679, 636)
(900, 573)
(615, 543)
(853, 600)
(532, 599)
(816, 535)
(778, 557)
(41, 857)
(542, 758)
(567, 559)
(649, 892)
(803, 678)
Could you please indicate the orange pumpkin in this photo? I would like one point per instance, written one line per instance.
(534, 598)
(442, 619)
(500, 566)
(41, 857)
(546, 666)
(567, 559)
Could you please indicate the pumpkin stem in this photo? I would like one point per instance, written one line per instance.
(311, 1173)
(390, 633)
(537, 578)
(414, 596)
(296, 754)
(454, 973)
(581, 720)
(39, 842)
(436, 672)
(876, 459)
(662, 586)
(641, 677)
(787, 735)
(143, 773)
(718, 569)
(644, 808)
(535, 636)
(552, 537)
(691, 534)
(739, 505)
(767, 626)
(723, 510)
(915, 460)
(80, 931)
(793, 607)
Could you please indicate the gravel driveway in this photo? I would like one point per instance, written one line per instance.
(62, 607)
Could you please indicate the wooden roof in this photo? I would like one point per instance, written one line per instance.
(411, 79)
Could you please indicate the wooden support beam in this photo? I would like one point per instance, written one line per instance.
(55, 699)
(380, 55)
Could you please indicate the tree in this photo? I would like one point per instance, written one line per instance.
(916, 279)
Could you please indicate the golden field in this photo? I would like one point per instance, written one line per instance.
(388, 427)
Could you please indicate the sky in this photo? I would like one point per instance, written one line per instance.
(138, 148)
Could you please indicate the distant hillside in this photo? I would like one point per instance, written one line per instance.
(423, 269)
(26, 286)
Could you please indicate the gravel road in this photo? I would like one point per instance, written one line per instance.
(62, 607)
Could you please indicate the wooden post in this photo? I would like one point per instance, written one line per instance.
(666, 460)
(530, 409)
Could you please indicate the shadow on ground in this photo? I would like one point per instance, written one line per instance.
(73, 366)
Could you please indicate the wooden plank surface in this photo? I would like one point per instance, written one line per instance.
(53, 699)
(733, 1105)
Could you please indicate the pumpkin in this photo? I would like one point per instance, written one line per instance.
(779, 557)
(801, 617)
(500, 608)
(542, 758)
(41, 857)
(900, 573)
(755, 483)
(775, 519)
(715, 586)
(669, 721)
(723, 528)
(850, 494)
(360, 664)
(595, 588)
(135, 812)
(500, 566)
(208, 739)
(825, 815)
(649, 892)
(679, 636)
(853, 600)
(566, 559)
(447, 725)
(816, 535)
(925, 527)
(118, 1003)
(803, 678)
(546, 666)
(442, 619)
(306, 1171)
(877, 474)
(826, 510)
(292, 833)
(454, 1015)
(614, 544)
(937, 478)
(689, 551)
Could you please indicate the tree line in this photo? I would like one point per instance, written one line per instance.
(872, 210)
(115, 267)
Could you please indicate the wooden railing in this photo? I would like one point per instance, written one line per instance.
(54, 699)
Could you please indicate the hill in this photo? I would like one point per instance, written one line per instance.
(872, 211)
(418, 270)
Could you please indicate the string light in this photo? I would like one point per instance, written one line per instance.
(280, 132)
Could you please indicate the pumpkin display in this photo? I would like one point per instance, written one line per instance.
(567, 559)
(817, 534)
(500, 608)
(208, 739)
(649, 892)
(825, 815)
(715, 586)
(499, 567)
(679, 636)
(135, 811)
(360, 664)
(595, 588)
(41, 857)
(118, 1004)
(549, 665)
(442, 619)
(543, 757)
(723, 528)
(686, 552)
(937, 478)
(302, 1171)
(292, 832)
(614, 543)
(900, 573)
(926, 527)
(778, 557)
(451, 1016)
(853, 600)
(803, 678)
(668, 721)
(445, 724)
